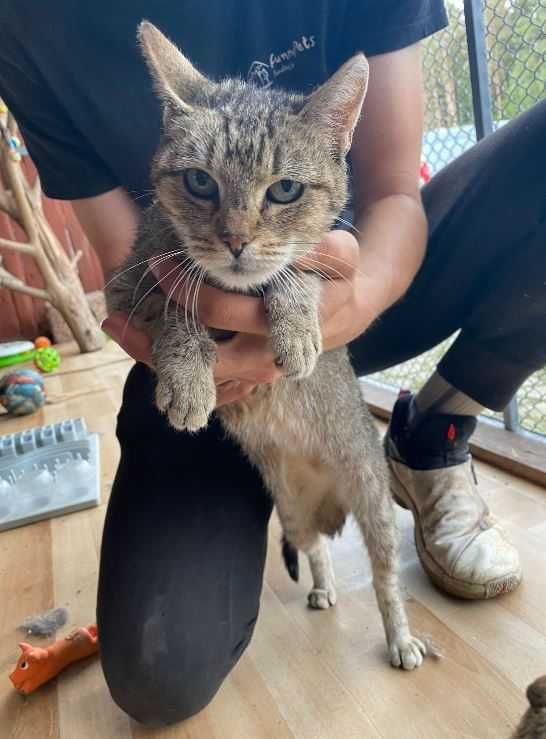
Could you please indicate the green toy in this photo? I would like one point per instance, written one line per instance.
(47, 359)
(15, 352)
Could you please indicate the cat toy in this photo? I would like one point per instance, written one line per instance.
(48, 471)
(22, 392)
(16, 352)
(38, 665)
(47, 359)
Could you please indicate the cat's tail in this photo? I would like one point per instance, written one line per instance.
(290, 556)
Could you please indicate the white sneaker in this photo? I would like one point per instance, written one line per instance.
(463, 549)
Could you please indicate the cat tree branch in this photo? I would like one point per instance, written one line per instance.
(22, 201)
(76, 258)
(17, 246)
(8, 207)
(14, 283)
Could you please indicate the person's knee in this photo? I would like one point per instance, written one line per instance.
(161, 695)
(161, 677)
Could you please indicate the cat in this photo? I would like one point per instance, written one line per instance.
(533, 722)
(246, 180)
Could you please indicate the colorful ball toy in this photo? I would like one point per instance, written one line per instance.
(22, 392)
(47, 359)
(42, 342)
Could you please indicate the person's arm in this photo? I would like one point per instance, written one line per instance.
(386, 154)
(110, 222)
(389, 216)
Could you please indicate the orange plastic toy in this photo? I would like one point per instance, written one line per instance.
(37, 665)
(42, 342)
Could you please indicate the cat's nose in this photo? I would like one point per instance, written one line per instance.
(235, 243)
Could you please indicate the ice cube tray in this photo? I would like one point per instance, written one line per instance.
(48, 471)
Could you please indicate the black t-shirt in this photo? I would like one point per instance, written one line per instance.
(73, 76)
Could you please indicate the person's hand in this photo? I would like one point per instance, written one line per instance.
(246, 360)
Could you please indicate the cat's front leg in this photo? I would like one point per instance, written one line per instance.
(293, 312)
(184, 359)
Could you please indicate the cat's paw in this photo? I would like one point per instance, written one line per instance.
(188, 407)
(407, 652)
(297, 350)
(321, 599)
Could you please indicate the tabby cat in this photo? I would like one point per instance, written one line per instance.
(246, 180)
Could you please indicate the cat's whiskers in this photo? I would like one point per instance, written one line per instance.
(185, 275)
(300, 295)
(191, 280)
(135, 307)
(167, 255)
(285, 280)
(188, 304)
(152, 264)
(306, 253)
(346, 223)
(176, 282)
(323, 267)
(297, 289)
(195, 305)
(188, 278)
(186, 264)
(298, 277)
(143, 194)
(320, 270)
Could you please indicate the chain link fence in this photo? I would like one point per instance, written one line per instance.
(515, 37)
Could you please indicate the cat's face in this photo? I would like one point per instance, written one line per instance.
(247, 185)
(251, 179)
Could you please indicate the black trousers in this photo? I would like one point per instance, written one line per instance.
(185, 537)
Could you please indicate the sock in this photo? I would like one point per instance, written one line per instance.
(429, 440)
(438, 396)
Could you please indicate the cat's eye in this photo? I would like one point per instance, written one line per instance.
(24, 665)
(200, 183)
(284, 191)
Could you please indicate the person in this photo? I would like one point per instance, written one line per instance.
(185, 536)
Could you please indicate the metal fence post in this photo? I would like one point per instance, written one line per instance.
(479, 77)
(511, 416)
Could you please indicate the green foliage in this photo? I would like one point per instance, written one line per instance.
(516, 43)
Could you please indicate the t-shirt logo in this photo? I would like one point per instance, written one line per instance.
(263, 74)
(260, 74)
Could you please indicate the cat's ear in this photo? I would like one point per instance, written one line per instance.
(176, 79)
(336, 104)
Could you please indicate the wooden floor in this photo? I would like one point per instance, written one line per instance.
(307, 675)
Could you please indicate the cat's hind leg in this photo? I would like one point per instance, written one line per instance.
(323, 594)
(299, 487)
(373, 510)
(307, 485)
